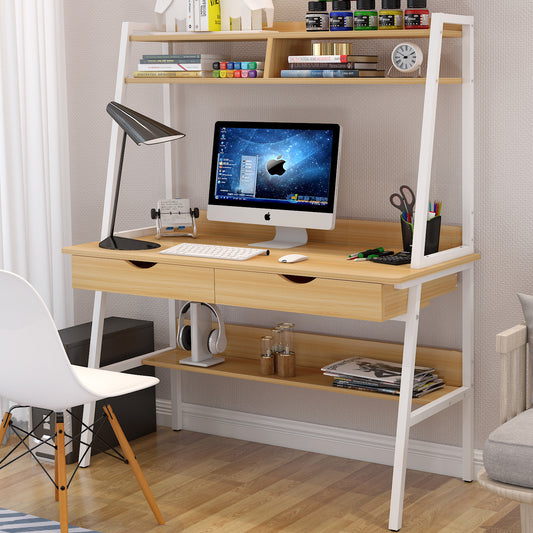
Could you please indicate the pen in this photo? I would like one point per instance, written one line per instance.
(366, 253)
(380, 254)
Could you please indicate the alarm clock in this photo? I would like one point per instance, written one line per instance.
(407, 57)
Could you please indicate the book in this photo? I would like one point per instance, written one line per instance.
(178, 58)
(204, 19)
(196, 8)
(351, 65)
(332, 59)
(210, 19)
(373, 369)
(190, 15)
(176, 74)
(311, 73)
(169, 67)
(172, 67)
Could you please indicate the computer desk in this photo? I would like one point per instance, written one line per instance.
(327, 284)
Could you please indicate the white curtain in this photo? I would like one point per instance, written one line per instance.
(35, 221)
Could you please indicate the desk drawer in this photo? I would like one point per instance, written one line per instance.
(160, 280)
(326, 297)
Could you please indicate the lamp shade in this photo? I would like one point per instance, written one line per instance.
(141, 129)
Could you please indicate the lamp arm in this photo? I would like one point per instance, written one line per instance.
(117, 186)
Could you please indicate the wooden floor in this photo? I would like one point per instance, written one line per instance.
(212, 484)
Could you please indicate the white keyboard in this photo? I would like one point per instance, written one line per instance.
(233, 253)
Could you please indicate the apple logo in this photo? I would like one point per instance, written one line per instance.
(267, 216)
(275, 166)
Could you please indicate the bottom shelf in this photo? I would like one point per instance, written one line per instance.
(310, 350)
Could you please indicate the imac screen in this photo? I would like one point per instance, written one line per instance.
(279, 174)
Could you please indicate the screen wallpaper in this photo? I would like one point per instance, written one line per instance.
(261, 164)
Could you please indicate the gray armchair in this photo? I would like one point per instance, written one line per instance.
(508, 451)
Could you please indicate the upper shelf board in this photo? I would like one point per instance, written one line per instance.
(296, 81)
(290, 30)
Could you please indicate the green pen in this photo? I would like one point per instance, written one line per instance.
(371, 256)
(366, 253)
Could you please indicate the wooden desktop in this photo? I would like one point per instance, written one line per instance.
(327, 284)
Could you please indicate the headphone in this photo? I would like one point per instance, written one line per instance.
(216, 341)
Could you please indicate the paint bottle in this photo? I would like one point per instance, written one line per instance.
(416, 15)
(317, 16)
(341, 16)
(366, 16)
(391, 16)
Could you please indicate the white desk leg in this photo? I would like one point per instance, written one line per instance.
(95, 348)
(467, 286)
(404, 408)
(175, 398)
(175, 375)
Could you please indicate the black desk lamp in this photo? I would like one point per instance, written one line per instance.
(142, 130)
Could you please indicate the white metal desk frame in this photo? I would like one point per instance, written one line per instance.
(406, 417)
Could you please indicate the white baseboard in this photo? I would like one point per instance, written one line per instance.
(352, 444)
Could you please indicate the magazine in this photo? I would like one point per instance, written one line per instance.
(373, 370)
(418, 383)
(418, 390)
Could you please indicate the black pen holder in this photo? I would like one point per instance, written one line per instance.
(432, 235)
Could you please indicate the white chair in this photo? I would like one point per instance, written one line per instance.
(35, 371)
(508, 452)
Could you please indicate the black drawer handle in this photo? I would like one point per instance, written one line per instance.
(142, 264)
(298, 279)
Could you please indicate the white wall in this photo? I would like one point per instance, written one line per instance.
(381, 135)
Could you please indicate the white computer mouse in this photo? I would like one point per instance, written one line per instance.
(292, 258)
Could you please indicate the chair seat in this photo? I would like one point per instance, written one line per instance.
(508, 452)
(105, 383)
(505, 490)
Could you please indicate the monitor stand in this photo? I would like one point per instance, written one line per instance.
(285, 238)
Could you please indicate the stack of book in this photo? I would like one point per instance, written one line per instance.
(176, 66)
(333, 66)
(374, 375)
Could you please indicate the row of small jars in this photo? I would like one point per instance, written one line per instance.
(341, 18)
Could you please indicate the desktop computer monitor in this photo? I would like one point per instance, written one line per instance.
(278, 174)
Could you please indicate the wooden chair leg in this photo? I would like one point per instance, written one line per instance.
(130, 456)
(56, 473)
(5, 425)
(61, 469)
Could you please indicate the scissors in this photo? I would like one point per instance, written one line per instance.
(404, 201)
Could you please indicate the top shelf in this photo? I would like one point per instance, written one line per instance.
(291, 30)
(284, 39)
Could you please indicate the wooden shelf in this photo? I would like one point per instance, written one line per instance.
(290, 30)
(307, 378)
(312, 353)
(289, 38)
(295, 81)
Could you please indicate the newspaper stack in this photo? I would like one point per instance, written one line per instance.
(374, 375)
